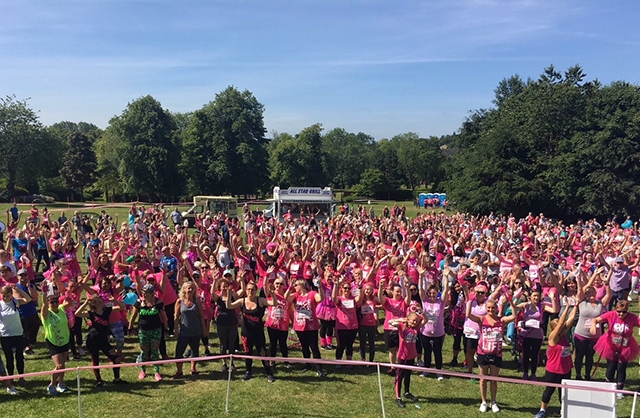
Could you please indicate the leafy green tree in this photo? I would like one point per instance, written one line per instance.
(107, 178)
(345, 156)
(386, 160)
(25, 146)
(372, 181)
(78, 164)
(297, 161)
(147, 147)
(224, 146)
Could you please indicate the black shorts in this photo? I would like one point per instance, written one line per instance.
(489, 360)
(391, 339)
(56, 349)
(472, 343)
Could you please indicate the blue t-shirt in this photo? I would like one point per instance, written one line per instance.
(14, 213)
(19, 244)
(28, 309)
(172, 266)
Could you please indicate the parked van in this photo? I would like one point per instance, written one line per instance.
(214, 204)
(293, 201)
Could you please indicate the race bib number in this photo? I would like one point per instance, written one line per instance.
(366, 309)
(532, 323)
(348, 303)
(304, 315)
(471, 333)
(566, 352)
(621, 341)
(277, 313)
(431, 318)
(587, 324)
(491, 342)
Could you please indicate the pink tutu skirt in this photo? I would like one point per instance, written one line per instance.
(326, 312)
(627, 351)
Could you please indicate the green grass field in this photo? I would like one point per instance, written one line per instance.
(349, 393)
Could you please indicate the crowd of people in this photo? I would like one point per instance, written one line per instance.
(484, 284)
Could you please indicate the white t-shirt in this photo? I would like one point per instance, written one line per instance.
(10, 325)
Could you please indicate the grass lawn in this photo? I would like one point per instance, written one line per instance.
(352, 393)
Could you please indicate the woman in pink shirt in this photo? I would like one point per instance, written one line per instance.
(559, 363)
(618, 345)
(432, 333)
(346, 319)
(305, 321)
(278, 318)
(490, 347)
(394, 307)
(368, 323)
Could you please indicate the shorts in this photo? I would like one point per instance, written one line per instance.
(391, 339)
(489, 360)
(472, 343)
(57, 349)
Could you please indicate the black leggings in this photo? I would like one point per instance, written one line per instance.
(192, 342)
(367, 334)
(309, 343)
(326, 328)
(75, 337)
(553, 378)
(278, 337)
(584, 351)
(170, 311)
(619, 366)
(228, 335)
(95, 345)
(31, 326)
(530, 353)
(42, 255)
(8, 344)
(432, 345)
(255, 340)
(346, 338)
(403, 375)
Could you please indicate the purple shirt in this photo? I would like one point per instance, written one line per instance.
(620, 279)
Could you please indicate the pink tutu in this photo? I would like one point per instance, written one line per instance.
(627, 351)
(326, 312)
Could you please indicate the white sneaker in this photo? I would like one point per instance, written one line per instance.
(12, 390)
(440, 378)
(494, 407)
(483, 407)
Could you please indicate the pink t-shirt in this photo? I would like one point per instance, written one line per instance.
(408, 338)
(393, 309)
(491, 338)
(434, 313)
(278, 316)
(305, 312)
(368, 312)
(346, 317)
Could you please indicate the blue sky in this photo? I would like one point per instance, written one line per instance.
(379, 67)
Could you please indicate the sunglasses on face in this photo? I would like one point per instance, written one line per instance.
(278, 283)
(480, 293)
(346, 288)
(518, 283)
(622, 312)
(413, 289)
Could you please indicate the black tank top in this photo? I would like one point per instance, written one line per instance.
(252, 323)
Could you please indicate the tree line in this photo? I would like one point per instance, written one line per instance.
(557, 144)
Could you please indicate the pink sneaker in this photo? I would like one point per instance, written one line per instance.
(158, 377)
(142, 375)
